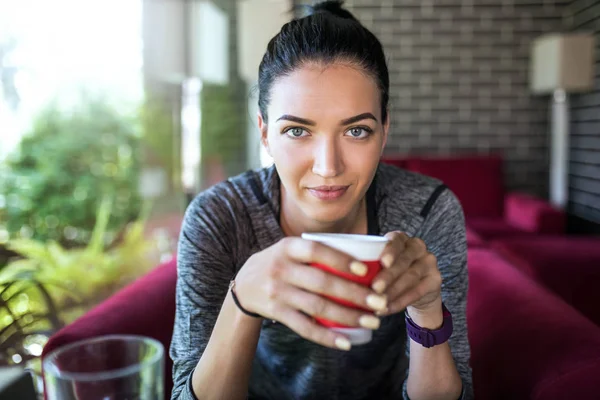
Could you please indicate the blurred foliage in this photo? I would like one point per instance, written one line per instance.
(158, 131)
(51, 187)
(50, 286)
(224, 125)
(71, 217)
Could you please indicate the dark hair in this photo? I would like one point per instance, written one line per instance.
(328, 34)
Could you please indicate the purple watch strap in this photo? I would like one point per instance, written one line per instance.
(427, 337)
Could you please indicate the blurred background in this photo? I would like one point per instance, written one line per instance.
(114, 114)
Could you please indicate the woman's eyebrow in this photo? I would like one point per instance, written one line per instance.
(304, 121)
(357, 118)
(299, 120)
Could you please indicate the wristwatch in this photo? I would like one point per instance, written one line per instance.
(427, 337)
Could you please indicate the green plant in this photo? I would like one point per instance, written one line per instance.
(157, 127)
(50, 286)
(224, 124)
(52, 185)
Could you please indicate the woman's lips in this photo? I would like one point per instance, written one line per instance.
(328, 192)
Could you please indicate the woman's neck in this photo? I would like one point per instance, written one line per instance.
(294, 223)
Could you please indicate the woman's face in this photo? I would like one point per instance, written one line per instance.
(326, 136)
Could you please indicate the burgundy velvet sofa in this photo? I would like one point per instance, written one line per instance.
(533, 312)
(490, 210)
(569, 266)
(526, 341)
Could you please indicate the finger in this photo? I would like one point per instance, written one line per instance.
(319, 306)
(308, 251)
(403, 254)
(307, 328)
(404, 283)
(428, 285)
(393, 248)
(411, 277)
(321, 282)
(403, 250)
(389, 256)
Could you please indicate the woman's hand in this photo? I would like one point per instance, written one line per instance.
(410, 277)
(278, 284)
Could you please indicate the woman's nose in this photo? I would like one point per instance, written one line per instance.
(328, 160)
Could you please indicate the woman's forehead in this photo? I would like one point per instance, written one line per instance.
(330, 90)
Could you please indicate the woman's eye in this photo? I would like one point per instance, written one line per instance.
(295, 132)
(359, 133)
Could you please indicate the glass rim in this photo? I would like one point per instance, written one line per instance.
(48, 366)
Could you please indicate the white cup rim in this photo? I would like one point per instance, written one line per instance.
(344, 236)
(361, 247)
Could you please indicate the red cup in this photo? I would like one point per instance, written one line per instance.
(364, 248)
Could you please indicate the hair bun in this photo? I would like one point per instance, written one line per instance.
(334, 7)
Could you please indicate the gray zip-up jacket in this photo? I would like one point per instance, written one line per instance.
(229, 222)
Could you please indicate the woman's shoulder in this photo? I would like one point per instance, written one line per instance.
(404, 183)
(238, 192)
(411, 193)
(228, 212)
(234, 206)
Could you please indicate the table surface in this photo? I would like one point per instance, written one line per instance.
(16, 383)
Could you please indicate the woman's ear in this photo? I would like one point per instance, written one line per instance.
(386, 129)
(262, 126)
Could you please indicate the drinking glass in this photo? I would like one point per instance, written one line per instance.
(113, 367)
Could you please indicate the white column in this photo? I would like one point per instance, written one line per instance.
(258, 22)
(559, 150)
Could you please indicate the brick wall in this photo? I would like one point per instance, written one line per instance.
(584, 191)
(459, 75)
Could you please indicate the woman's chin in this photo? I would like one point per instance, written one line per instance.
(327, 215)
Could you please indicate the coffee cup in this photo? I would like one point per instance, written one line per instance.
(364, 248)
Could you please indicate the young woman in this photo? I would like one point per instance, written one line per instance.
(246, 296)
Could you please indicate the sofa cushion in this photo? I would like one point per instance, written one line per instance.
(492, 228)
(477, 181)
(526, 343)
(473, 238)
(533, 214)
(569, 266)
(399, 162)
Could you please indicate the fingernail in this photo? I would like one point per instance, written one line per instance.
(342, 343)
(379, 286)
(387, 260)
(376, 302)
(369, 321)
(358, 268)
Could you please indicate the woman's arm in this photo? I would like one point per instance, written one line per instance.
(421, 272)
(213, 338)
(443, 370)
(224, 369)
(213, 343)
(432, 371)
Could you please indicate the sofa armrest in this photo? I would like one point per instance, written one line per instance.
(533, 214)
(145, 307)
(526, 343)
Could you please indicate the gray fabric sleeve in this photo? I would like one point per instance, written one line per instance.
(205, 264)
(444, 233)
